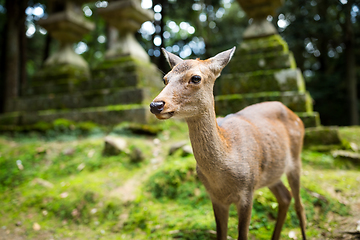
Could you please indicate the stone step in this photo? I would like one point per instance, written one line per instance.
(64, 86)
(104, 116)
(60, 72)
(272, 43)
(260, 81)
(300, 103)
(262, 61)
(310, 119)
(94, 98)
(107, 115)
(73, 74)
(296, 101)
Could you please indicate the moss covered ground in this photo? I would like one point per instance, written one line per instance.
(60, 186)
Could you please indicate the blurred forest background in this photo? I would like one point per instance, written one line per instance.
(324, 36)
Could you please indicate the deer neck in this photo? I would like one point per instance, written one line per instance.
(207, 140)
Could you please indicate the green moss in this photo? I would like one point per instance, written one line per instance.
(175, 179)
(62, 71)
(226, 104)
(258, 81)
(272, 43)
(12, 118)
(292, 61)
(41, 126)
(350, 134)
(310, 119)
(116, 62)
(261, 61)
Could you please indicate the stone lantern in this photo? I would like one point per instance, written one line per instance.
(259, 10)
(67, 25)
(263, 68)
(126, 16)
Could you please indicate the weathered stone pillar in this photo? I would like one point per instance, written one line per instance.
(68, 26)
(126, 16)
(118, 89)
(63, 72)
(127, 67)
(263, 68)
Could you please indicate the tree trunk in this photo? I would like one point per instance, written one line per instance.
(22, 45)
(11, 53)
(350, 66)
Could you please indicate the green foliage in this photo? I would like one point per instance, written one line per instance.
(176, 179)
(11, 161)
(60, 129)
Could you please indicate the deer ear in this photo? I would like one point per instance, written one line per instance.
(171, 58)
(219, 61)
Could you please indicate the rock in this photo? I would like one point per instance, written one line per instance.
(81, 166)
(114, 146)
(43, 183)
(352, 156)
(91, 153)
(156, 142)
(64, 195)
(19, 165)
(68, 151)
(322, 136)
(136, 155)
(354, 147)
(41, 150)
(36, 226)
(177, 146)
(187, 150)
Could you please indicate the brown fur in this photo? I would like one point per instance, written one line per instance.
(240, 153)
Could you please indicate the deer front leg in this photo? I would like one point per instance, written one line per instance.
(244, 209)
(221, 213)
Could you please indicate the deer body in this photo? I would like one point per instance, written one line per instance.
(237, 154)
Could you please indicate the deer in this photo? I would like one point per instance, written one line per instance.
(239, 153)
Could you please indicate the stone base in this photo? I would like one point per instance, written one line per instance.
(297, 102)
(263, 69)
(310, 120)
(118, 90)
(109, 115)
(93, 98)
(260, 81)
(322, 136)
(300, 103)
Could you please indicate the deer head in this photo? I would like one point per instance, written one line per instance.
(189, 85)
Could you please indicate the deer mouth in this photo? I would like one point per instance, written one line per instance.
(165, 115)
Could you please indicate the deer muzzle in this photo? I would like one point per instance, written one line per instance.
(157, 107)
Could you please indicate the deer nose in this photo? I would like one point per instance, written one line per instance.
(157, 107)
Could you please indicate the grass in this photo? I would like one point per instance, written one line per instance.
(67, 187)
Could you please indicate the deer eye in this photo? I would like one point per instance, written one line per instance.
(195, 79)
(164, 81)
